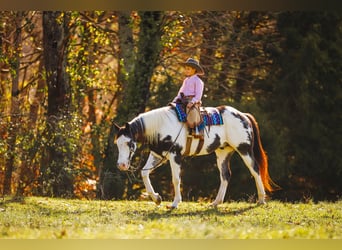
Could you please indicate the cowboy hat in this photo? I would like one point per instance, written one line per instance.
(195, 64)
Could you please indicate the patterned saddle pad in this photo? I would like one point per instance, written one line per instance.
(209, 118)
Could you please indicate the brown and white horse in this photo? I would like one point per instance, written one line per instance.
(166, 137)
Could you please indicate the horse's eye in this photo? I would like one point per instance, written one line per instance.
(131, 145)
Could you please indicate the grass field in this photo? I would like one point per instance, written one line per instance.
(51, 218)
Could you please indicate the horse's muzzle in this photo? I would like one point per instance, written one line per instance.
(123, 166)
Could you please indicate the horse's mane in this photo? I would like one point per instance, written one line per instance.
(156, 119)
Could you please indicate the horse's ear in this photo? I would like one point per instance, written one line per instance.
(116, 127)
(127, 125)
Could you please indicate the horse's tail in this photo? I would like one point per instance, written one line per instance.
(261, 157)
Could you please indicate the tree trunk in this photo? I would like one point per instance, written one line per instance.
(55, 39)
(137, 87)
(111, 183)
(57, 181)
(15, 103)
(148, 50)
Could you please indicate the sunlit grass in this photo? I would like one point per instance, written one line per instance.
(50, 218)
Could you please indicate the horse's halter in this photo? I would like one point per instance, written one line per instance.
(132, 147)
(132, 144)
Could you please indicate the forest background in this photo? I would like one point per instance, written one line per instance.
(65, 77)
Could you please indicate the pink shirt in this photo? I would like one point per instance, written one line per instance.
(192, 86)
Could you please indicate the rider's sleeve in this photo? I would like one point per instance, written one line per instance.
(199, 86)
(179, 92)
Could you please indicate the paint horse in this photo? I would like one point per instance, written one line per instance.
(166, 137)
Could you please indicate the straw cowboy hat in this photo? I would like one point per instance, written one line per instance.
(195, 64)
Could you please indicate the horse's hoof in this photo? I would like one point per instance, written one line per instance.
(213, 205)
(170, 207)
(260, 203)
(159, 200)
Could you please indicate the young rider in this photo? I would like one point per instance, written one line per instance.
(191, 93)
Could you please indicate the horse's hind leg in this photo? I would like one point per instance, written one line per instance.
(254, 169)
(223, 164)
(151, 164)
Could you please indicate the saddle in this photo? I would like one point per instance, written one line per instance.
(208, 118)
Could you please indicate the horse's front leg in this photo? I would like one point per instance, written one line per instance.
(175, 170)
(152, 163)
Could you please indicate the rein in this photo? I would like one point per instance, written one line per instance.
(163, 158)
(160, 162)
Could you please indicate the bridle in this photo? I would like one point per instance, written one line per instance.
(163, 158)
(132, 147)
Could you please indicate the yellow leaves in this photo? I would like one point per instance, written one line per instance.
(219, 54)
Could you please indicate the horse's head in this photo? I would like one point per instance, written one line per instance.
(126, 146)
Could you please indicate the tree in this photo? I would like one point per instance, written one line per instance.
(137, 87)
(304, 101)
(146, 59)
(14, 125)
(57, 179)
(20, 60)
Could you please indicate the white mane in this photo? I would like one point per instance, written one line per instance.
(161, 120)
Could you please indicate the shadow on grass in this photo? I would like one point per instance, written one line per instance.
(40, 206)
(7, 200)
(4, 201)
(154, 215)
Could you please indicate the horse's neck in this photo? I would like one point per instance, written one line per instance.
(154, 121)
(138, 129)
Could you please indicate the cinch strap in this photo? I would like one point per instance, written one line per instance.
(188, 145)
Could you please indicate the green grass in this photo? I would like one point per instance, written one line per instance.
(50, 218)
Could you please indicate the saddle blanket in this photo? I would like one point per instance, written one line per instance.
(209, 119)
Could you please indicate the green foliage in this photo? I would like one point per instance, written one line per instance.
(305, 99)
(163, 92)
(283, 67)
(61, 144)
(47, 218)
(146, 58)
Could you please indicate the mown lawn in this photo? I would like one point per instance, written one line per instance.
(51, 218)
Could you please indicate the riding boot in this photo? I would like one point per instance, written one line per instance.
(194, 132)
(191, 131)
(199, 134)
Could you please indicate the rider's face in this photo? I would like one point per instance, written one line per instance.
(189, 71)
